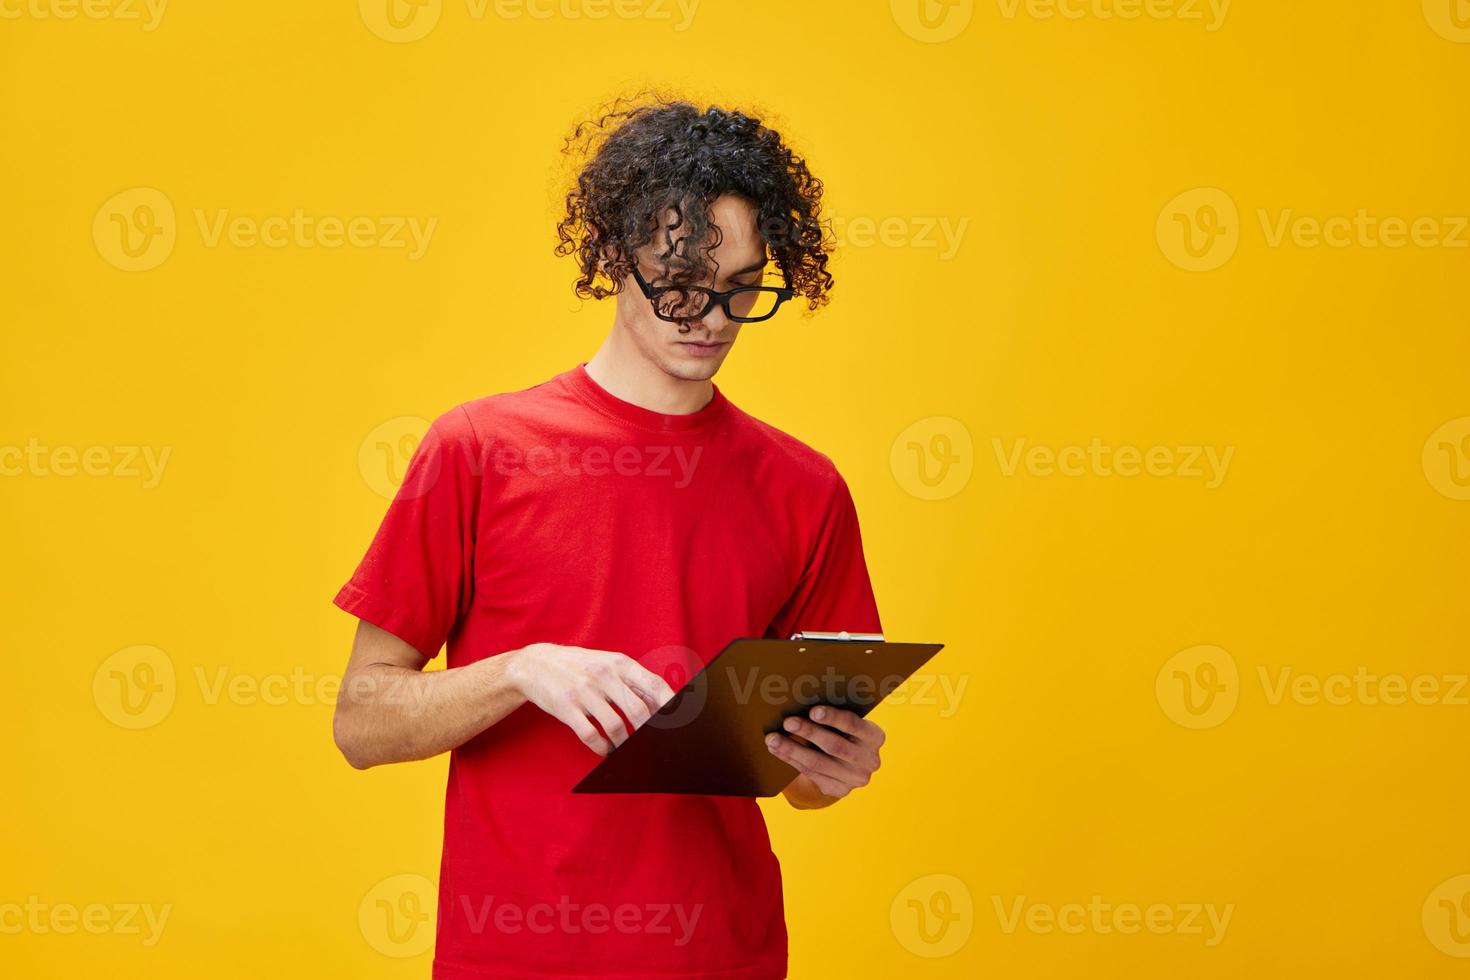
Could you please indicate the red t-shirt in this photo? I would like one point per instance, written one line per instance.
(564, 514)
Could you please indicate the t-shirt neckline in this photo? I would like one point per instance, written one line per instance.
(606, 402)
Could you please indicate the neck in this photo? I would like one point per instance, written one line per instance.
(621, 369)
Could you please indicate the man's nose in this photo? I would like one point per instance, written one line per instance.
(715, 320)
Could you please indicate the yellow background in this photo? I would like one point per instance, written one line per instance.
(1335, 541)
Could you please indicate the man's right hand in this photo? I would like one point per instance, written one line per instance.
(575, 684)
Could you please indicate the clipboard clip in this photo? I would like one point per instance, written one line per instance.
(843, 636)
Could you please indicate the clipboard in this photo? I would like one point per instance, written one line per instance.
(709, 739)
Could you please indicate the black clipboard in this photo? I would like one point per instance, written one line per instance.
(709, 739)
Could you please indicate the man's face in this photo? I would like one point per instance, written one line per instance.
(695, 350)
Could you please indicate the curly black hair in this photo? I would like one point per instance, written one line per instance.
(642, 155)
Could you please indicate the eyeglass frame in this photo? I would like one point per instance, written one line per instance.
(784, 294)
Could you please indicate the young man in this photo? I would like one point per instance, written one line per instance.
(581, 544)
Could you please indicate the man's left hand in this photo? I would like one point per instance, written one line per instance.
(843, 755)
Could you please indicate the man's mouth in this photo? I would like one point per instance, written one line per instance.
(702, 348)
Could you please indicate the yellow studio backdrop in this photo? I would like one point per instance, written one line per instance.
(1147, 365)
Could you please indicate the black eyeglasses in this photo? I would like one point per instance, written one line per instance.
(744, 304)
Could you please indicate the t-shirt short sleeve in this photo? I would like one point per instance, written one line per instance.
(416, 579)
(834, 592)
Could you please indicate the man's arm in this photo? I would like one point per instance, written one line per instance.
(389, 710)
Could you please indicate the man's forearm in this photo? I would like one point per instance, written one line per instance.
(388, 713)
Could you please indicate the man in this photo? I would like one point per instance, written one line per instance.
(581, 543)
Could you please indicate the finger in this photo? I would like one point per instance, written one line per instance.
(808, 760)
(574, 718)
(596, 705)
(849, 722)
(835, 744)
(647, 683)
(630, 703)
